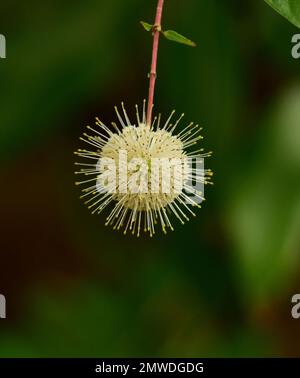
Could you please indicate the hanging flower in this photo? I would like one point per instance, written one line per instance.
(146, 174)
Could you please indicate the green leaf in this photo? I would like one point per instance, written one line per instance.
(146, 26)
(176, 37)
(290, 9)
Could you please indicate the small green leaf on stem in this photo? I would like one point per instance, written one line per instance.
(146, 26)
(176, 37)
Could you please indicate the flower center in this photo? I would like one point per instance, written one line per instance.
(143, 168)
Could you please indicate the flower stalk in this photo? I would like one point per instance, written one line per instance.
(153, 74)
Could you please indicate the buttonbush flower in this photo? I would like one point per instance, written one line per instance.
(143, 208)
(146, 172)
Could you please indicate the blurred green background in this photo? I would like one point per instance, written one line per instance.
(219, 286)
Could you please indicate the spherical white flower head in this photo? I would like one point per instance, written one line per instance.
(146, 171)
(150, 153)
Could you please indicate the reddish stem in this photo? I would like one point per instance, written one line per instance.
(156, 34)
